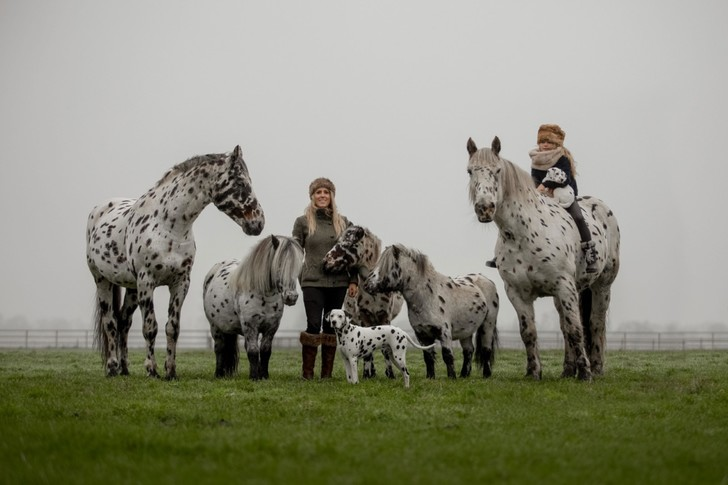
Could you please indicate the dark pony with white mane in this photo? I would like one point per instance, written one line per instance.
(140, 244)
(358, 250)
(441, 307)
(538, 253)
(247, 298)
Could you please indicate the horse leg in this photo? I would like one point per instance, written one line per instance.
(486, 341)
(106, 326)
(250, 333)
(125, 320)
(369, 370)
(145, 297)
(529, 336)
(569, 369)
(600, 304)
(177, 295)
(429, 354)
(266, 348)
(219, 340)
(573, 332)
(468, 349)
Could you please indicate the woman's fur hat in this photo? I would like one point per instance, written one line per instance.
(551, 133)
(319, 183)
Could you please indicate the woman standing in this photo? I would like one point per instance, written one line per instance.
(317, 231)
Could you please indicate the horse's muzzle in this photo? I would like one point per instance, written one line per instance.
(290, 298)
(484, 212)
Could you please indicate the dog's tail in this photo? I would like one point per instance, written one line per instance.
(415, 344)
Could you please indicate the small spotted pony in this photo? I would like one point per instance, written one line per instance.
(441, 307)
(538, 254)
(358, 249)
(140, 244)
(247, 298)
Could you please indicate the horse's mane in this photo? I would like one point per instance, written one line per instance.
(255, 273)
(189, 164)
(516, 183)
(376, 245)
(422, 262)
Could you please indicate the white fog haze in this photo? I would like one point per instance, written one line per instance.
(98, 99)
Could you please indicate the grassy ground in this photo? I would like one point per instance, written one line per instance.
(656, 417)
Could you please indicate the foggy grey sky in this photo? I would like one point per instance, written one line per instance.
(99, 99)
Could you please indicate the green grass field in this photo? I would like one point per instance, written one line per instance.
(655, 417)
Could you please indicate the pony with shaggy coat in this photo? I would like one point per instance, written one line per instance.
(247, 298)
(358, 249)
(441, 307)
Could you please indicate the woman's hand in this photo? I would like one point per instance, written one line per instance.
(353, 289)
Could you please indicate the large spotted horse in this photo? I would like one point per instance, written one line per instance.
(538, 254)
(140, 244)
(441, 307)
(247, 298)
(358, 249)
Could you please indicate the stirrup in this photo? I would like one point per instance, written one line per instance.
(491, 263)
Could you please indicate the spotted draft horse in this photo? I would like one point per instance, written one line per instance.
(358, 249)
(140, 244)
(247, 298)
(442, 307)
(538, 254)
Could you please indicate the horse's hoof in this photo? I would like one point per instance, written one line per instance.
(585, 375)
(536, 376)
(568, 372)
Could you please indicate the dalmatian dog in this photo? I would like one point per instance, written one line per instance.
(355, 342)
(563, 195)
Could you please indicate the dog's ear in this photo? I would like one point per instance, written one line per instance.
(348, 315)
(327, 317)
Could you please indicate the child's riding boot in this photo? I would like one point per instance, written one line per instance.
(328, 353)
(309, 349)
(590, 255)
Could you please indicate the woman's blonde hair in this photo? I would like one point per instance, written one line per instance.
(337, 219)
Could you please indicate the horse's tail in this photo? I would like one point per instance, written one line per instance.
(417, 345)
(101, 340)
(585, 308)
(229, 355)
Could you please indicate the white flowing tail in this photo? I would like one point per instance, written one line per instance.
(427, 347)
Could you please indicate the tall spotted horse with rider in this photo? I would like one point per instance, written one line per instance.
(539, 253)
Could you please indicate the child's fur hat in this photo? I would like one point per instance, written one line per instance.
(551, 133)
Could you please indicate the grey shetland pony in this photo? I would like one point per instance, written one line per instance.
(247, 298)
(140, 244)
(538, 254)
(441, 307)
(358, 249)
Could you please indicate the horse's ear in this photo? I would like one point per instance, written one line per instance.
(395, 251)
(237, 153)
(275, 242)
(472, 148)
(495, 146)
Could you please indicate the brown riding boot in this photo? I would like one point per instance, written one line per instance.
(328, 353)
(309, 349)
